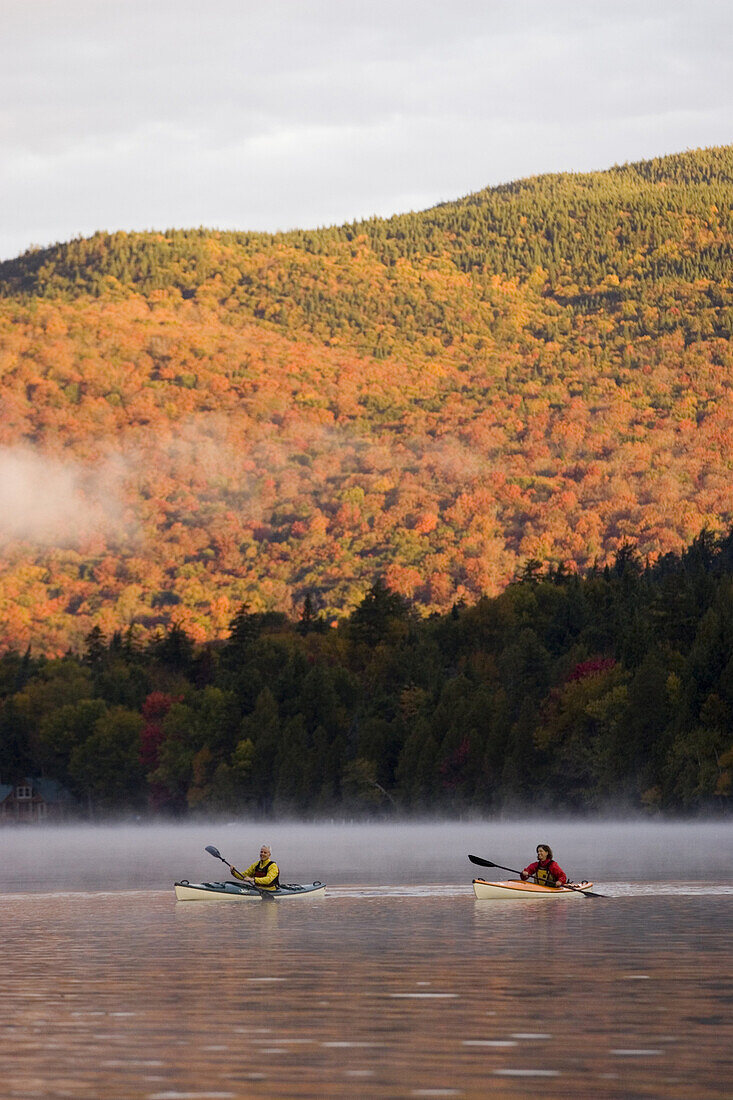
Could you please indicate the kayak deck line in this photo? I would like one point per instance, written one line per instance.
(517, 890)
(242, 891)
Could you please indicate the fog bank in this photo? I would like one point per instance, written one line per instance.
(123, 857)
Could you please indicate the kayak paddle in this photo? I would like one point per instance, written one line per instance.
(217, 855)
(488, 863)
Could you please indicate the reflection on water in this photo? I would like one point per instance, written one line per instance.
(364, 994)
(387, 987)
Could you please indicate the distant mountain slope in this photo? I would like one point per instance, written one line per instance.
(600, 239)
(539, 370)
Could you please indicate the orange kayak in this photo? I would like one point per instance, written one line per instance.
(525, 891)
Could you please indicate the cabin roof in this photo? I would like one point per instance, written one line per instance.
(50, 790)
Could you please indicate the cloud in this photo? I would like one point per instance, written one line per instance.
(306, 112)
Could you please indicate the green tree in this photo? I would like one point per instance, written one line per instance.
(381, 615)
(64, 730)
(106, 766)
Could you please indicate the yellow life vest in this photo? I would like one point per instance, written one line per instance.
(544, 877)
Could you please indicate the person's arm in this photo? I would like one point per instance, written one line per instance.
(559, 875)
(246, 875)
(529, 871)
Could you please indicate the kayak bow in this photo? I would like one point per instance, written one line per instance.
(242, 891)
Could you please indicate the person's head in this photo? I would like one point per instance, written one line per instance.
(544, 852)
(264, 852)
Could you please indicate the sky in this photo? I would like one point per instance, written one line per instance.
(154, 114)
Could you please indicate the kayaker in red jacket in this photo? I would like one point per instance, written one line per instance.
(545, 871)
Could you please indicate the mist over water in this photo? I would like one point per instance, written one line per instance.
(154, 855)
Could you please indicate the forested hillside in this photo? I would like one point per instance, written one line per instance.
(611, 691)
(541, 370)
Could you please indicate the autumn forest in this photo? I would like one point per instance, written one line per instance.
(523, 395)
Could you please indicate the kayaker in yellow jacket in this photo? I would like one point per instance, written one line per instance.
(264, 874)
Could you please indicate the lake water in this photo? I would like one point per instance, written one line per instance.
(397, 984)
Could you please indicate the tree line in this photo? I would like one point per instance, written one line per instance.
(564, 693)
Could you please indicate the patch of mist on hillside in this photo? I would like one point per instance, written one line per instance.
(51, 501)
(209, 461)
(218, 458)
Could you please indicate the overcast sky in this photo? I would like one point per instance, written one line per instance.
(150, 114)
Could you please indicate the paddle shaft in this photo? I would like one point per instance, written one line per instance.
(217, 855)
(487, 863)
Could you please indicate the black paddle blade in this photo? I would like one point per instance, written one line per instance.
(487, 863)
(213, 851)
(483, 862)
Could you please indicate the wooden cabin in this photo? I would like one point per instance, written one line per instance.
(30, 800)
